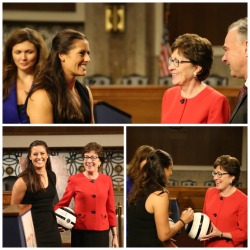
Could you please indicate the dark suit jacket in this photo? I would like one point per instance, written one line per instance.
(239, 114)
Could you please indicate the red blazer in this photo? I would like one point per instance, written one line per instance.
(209, 106)
(94, 202)
(229, 214)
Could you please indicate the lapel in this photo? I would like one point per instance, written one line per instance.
(237, 107)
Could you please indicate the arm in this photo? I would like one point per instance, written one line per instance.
(112, 214)
(240, 233)
(91, 102)
(159, 204)
(216, 233)
(220, 110)
(115, 242)
(39, 108)
(18, 191)
(67, 196)
(238, 217)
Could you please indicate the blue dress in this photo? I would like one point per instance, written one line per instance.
(13, 113)
(129, 184)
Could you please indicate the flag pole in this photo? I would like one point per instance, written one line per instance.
(165, 52)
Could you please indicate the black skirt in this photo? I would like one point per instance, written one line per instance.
(88, 238)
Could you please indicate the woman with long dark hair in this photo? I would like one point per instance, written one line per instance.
(36, 185)
(57, 96)
(136, 163)
(148, 205)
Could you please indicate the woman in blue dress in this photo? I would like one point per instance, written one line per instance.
(24, 53)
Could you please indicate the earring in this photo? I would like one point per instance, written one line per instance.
(195, 76)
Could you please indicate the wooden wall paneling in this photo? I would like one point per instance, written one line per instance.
(68, 7)
(62, 130)
(204, 19)
(188, 145)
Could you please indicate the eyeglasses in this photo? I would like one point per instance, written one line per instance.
(218, 173)
(176, 62)
(92, 157)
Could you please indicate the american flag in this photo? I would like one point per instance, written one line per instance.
(165, 52)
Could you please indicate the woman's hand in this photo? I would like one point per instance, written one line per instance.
(61, 230)
(115, 241)
(187, 215)
(214, 233)
(169, 243)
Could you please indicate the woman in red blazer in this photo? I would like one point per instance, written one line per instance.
(93, 200)
(226, 206)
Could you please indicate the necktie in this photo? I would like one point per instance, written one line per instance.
(241, 93)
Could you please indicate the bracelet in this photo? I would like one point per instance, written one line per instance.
(182, 222)
(114, 234)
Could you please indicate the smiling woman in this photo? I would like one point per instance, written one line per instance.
(226, 206)
(94, 201)
(57, 96)
(191, 100)
(36, 185)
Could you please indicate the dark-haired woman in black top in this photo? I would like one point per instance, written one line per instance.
(57, 96)
(36, 185)
(148, 205)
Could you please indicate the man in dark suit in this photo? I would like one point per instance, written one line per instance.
(235, 56)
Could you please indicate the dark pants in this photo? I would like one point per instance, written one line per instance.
(87, 238)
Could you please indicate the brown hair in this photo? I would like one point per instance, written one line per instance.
(140, 155)
(29, 175)
(229, 164)
(152, 175)
(9, 67)
(198, 50)
(52, 79)
(93, 146)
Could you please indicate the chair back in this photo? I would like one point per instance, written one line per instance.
(106, 113)
(134, 80)
(216, 80)
(174, 210)
(100, 80)
(165, 80)
(188, 183)
(8, 182)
